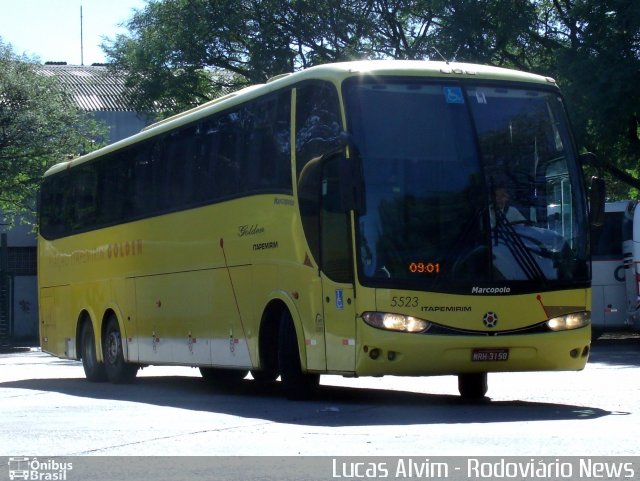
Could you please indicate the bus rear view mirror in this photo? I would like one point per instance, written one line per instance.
(596, 201)
(351, 181)
(351, 184)
(589, 158)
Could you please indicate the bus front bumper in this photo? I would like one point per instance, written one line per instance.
(402, 354)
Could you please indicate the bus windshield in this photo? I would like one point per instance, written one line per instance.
(467, 187)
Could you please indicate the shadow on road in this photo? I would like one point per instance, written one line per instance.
(332, 407)
(616, 350)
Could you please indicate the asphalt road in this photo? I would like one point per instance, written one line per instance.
(47, 408)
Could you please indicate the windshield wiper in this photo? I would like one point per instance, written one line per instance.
(518, 250)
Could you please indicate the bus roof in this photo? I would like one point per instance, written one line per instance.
(335, 72)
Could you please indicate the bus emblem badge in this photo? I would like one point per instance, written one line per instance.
(490, 319)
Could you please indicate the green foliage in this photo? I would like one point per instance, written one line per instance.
(180, 53)
(593, 49)
(38, 128)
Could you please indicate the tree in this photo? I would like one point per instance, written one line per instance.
(179, 53)
(39, 127)
(228, 44)
(594, 52)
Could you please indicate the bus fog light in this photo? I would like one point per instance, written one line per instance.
(575, 320)
(395, 322)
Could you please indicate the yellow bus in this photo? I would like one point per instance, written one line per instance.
(348, 219)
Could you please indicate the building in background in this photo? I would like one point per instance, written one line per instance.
(18, 284)
(103, 93)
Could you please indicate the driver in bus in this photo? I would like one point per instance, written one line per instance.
(510, 213)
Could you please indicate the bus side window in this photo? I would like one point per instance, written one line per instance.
(143, 186)
(176, 161)
(317, 125)
(84, 192)
(282, 142)
(55, 206)
(268, 145)
(207, 145)
(227, 163)
(318, 122)
(335, 226)
(113, 190)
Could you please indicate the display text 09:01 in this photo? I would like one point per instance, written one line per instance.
(422, 268)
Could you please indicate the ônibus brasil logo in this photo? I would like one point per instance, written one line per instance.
(37, 470)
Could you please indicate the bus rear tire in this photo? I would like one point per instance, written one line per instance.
(473, 386)
(94, 370)
(297, 385)
(118, 370)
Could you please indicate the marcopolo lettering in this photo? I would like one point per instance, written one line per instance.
(490, 290)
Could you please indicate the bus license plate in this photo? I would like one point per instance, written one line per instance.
(489, 355)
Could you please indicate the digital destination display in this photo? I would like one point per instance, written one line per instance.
(424, 267)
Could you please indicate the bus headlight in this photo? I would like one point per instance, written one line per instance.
(570, 321)
(395, 322)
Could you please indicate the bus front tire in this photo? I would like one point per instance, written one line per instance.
(94, 370)
(118, 370)
(297, 385)
(473, 386)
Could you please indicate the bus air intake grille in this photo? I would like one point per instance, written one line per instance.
(437, 329)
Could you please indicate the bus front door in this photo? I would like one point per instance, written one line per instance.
(339, 322)
(336, 259)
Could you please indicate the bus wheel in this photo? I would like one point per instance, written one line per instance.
(94, 371)
(268, 349)
(473, 386)
(297, 385)
(223, 377)
(118, 370)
